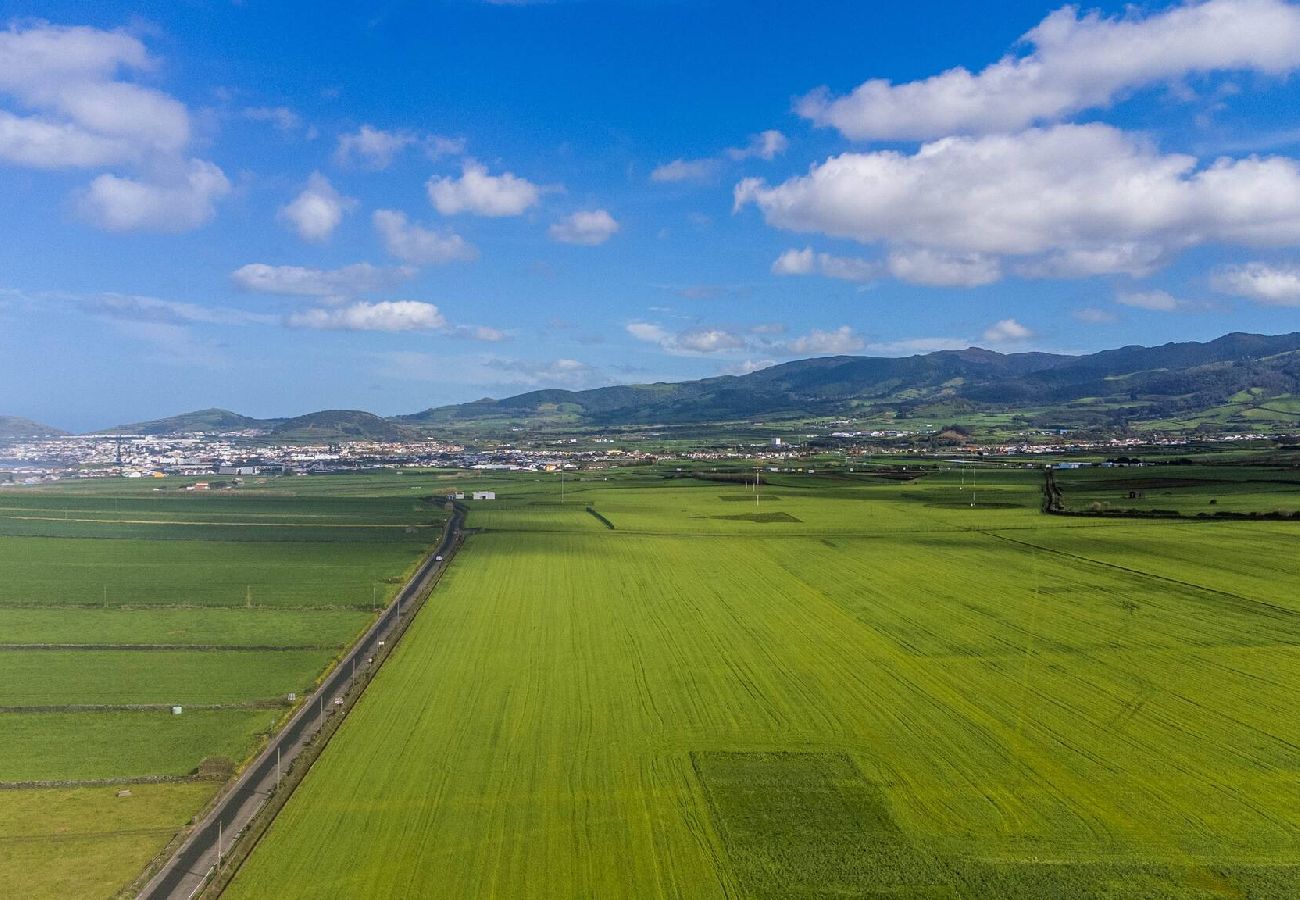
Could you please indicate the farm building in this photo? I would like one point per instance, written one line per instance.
(485, 495)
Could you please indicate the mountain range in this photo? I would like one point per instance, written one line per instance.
(1238, 379)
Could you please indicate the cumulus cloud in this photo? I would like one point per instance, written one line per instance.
(73, 78)
(766, 145)
(1077, 194)
(388, 315)
(139, 308)
(318, 210)
(823, 343)
(806, 262)
(375, 148)
(1158, 301)
(588, 228)
(924, 265)
(482, 194)
(179, 203)
(282, 118)
(1074, 62)
(1007, 331)
(1092, 315)
(706, 340)
(1274, 285)
(1130, 258)
(685, 170)
(80, 108)
(418, 245)
(300, 281)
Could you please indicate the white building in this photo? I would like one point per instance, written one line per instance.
(485, 495)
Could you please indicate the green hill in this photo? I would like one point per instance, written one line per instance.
(341, 425)
(18, 427)
(210, 421)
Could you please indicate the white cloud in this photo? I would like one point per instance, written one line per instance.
(418, 245)
(71, 77)
(482, 194)
(766, 145)
(388, 315)
(587, 227)
(709, 340)
(685, 170)
(78, 109)
(806, 262)
(299, 281)
(822, 343)
(1129, 258)
(1158, 301)
(1091, 315)
(483, 333)
(1070, 189)
(922, 265)
(1274, 285)
(179, 203)
(1075, 63)
(912, 346)
(1007, 331)
(41, 144)
(152, 309)
(375, 148)
(318, 210)
(281, 117)
(746, 366)
(704, 340)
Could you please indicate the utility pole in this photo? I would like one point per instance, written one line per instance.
(561, 482)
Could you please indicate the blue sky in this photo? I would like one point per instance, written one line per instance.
(279, 207)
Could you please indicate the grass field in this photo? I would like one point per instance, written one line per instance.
(105, 834)
(1195, 490)
(888, 690)
(120, 594)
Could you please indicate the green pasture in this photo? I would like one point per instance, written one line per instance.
(897, 692)
(116, 677)
(145, 593)
(43, 571)
(79, 746)
(106, 834)
(1196, 490)
(197, 626)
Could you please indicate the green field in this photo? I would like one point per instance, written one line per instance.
(885, 690)
(1188, 490)
(106, 835)
(122, 595)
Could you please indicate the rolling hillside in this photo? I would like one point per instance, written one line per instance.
(18, 427)
(1237, 380)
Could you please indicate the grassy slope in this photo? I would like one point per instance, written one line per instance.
(643, 713)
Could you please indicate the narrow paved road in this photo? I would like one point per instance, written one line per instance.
(188, 868)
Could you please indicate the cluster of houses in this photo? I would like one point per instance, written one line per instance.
(474, 495)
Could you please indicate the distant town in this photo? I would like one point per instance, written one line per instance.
(30, 461)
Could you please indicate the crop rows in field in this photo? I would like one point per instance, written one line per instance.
(898, 691)
(120, 602)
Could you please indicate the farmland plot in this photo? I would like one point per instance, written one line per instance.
(893, 695)
(120, 601)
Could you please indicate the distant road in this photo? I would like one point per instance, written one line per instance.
(187, 869)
